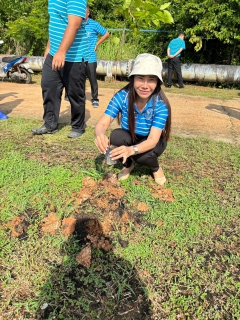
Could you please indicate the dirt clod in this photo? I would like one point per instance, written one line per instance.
(161, 193)
(84, 257)
(19, 226)
(99, 243)
(143, 207)
(50, 224)
(68, 226)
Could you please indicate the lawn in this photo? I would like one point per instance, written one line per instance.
(77, 244)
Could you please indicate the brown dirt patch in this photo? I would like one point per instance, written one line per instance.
(18, 226)
(50, 224)
(108, 213)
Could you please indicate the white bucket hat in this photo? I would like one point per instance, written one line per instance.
(147, 64)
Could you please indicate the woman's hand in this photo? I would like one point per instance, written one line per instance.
(101, 142)
(122, 152)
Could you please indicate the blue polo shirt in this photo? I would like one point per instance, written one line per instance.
(175, 45)
(154, 114)
(58, 11)
(93, 29)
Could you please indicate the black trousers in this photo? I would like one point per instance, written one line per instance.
(120, 137)
(73, 77)
(92, 76)
(174, 64)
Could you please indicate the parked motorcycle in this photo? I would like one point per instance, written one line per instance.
(15, 68)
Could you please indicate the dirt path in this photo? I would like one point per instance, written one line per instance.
(192, 116)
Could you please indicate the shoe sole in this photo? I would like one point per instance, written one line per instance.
(74, 137)
(41, 133)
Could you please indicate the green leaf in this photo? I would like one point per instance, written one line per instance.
(116, 40)
(165, 5)
(156, 22)
(126, 4)
(137, 3)
(167, 17)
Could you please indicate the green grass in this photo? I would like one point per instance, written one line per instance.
(185, 267)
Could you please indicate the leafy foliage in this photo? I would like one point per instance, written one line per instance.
(218, 19)
(30, 29)
(211, 28)
(138, 13)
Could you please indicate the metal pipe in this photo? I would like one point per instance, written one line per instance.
(141, 30)
(211, 73)
(190, 71)
(114, 68)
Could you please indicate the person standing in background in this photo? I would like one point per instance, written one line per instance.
(175, 47)
(66, 56)
(94, 29)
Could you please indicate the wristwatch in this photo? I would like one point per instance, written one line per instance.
(135, 149)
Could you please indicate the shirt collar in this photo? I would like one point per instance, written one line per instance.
(148, 105)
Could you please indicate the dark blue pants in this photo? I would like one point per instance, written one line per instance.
(92, 76)
(120, 137)
(174, 64)
(73, 77)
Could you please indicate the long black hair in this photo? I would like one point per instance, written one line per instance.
(132, 98)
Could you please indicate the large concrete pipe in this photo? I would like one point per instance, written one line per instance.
(104, 67)
(190, 71)
(211, 73)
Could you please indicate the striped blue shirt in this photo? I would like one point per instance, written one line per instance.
(58, 11)
(154, 114)
(93, 29)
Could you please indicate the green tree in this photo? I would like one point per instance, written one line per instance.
(210, 24)
(142, 13)
(28, 31)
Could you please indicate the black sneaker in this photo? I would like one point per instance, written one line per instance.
(169, 86)
(75, 134)
(95, 104)
(44, 130)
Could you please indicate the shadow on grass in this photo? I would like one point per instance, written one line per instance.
(8, 107)
(108, 287)
(65, 115)
(6, 95)
(231, 112)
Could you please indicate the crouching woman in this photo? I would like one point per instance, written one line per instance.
(144, 114)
